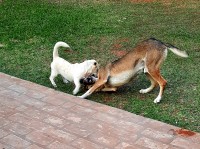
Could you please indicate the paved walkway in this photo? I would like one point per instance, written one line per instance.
(34, 117)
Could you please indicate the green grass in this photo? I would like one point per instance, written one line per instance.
(29, 30)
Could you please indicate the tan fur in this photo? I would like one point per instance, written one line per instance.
(148, 56)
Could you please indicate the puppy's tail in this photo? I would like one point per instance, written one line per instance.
(57, 45)
(178, 52)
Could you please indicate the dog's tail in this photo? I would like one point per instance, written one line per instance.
(57, 45)
(178, 52)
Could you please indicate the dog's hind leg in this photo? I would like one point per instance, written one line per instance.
(151, 87)
(155, 74)
(109, 89)
(65, 80)
(52, 76)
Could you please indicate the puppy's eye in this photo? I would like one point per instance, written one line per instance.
(95, 63)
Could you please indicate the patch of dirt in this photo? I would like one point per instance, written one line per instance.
(179, 3)
(118, 49)
(183, 132)
(142, 1)
(68, 51)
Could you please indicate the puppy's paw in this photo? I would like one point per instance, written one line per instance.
(75, 92)
(54, 85)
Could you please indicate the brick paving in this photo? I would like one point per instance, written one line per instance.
(35, 117)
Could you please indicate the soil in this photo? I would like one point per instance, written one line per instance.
(184, 132)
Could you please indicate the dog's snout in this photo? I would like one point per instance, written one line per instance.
(95, 63)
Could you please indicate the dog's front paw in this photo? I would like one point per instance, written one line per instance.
(80, 97)
(157, 100)
(75, 92)
(143, 91)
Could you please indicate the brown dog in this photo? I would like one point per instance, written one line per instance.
(147, 56)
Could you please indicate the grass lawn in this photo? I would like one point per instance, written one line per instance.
(103, 30)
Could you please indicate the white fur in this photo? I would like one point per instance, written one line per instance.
(178, 52)
(70, 72)
(125, 76)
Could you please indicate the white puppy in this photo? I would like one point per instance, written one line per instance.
(70, 72)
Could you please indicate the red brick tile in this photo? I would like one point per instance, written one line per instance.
(58, 145)
(53, 100)
(10, 102)
(6, 82)
(182, 143)
(18, 88)
(35, 94)
(76, 100)
(172, 147)
(3, 133)
(140, 120)
(100, 107)
(39, 138)
(154, 124)
(18, 129)
(74, 117)
(3, 122)
(146, 142)
(78, 129)
(129, 126)
(49, 108)
(28, 101)
(195, 138)
(15, 141)
(96, 125)
(37, 114)
(4, 146)
(59, 112)
(6, 111)
(2, 88)
(20, 118)
(125, 145)
(110, 130)
(38, 125)
(121, 114)
(32, 86)
(55, 121)
(68, 105)
(186, 134)
(122, 135)
(60, 135)
(8, 93)
(85, 144)
(167, 128)
(22, 108)
(103, 140)
(34, 147)
(106, 118)
(82, 110)
(157, 135)
(49, 91)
